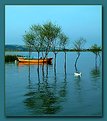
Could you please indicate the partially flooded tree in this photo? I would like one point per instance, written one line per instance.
(63, 43)
(50, 35)
(96, 50)
(33, 38)
(78, 46)
(45, 38)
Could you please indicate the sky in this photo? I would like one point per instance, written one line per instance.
(76, 21)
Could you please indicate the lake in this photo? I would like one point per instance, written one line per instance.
(54, 92)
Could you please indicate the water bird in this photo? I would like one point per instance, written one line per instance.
(77, 74)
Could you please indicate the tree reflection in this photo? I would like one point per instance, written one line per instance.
(29, 75)
(96, 50)
(95, 72)
(65, 65)
(77, 83)
(41, 99)
(63, 90)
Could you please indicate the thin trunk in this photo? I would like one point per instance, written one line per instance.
(46, 72)
(55, 75)
(55, 62)
(29, 69)
(76, 62)
(96, 61)
(29, 55)
(38, 58)
(47, 67)
(99, 59)
(42, 55)
(29, 76)
(43, 72)
(65, 63)
(38, 75)
(38, 62)
(43, 58)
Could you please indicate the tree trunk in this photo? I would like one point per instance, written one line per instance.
(55, 62)
(38, 63)
(43, 72)
(29, 76)
(29, 69)
(76, 62)
(29, 56)
(96, 61)
(47, 67)
(65, 63)
(38, 75)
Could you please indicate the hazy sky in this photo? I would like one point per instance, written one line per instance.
(75, 20)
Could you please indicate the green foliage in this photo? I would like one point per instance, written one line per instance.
(29, 39)
(50, 31)
(78, 44)
(10, 58)
(45, 37)
(95, 49)
(33, 37)
(63, 40)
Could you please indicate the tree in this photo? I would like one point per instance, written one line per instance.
(78, 46)
(63, 43)
(50, 35)
(33, 39)
(45, 38)
(96, 50)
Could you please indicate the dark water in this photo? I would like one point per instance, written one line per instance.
(57, 92)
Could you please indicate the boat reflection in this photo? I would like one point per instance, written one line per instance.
(27, 64)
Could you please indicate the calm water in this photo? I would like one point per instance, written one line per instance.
(54, 93)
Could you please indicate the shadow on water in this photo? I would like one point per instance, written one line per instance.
(44, 98)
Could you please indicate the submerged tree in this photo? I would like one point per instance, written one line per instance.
(33, 38)
(63, 43)
(78, 46)
(45, 38)
(51, 33)
(96, 50)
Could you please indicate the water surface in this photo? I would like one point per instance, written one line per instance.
(52, 92)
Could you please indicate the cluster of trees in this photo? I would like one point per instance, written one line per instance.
(49, 37)
(44, 38)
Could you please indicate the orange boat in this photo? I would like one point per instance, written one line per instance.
(34, 61)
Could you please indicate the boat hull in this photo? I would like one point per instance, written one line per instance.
(34, 61)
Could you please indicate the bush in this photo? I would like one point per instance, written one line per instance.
(10, 58)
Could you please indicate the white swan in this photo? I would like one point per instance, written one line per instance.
(77, 74)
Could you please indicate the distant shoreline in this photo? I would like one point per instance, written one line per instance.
(67, 50)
